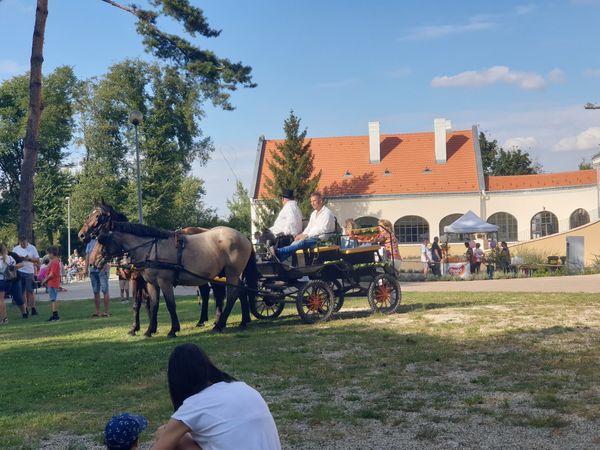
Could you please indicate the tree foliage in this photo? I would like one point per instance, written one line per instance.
(585, 165)
(291, 167)
(169, 141)
(212, 78)
(56, 125)
(497, 161)
(239, 210)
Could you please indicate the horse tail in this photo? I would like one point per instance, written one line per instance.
(251, 277)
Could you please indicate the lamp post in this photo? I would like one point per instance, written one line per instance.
(135, 117)
(68, 199)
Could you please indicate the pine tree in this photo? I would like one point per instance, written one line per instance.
(291, 167)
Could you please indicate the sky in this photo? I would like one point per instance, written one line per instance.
(521, 71)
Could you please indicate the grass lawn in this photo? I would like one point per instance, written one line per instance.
(468, 368)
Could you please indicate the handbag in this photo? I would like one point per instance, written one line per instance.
(10, 273)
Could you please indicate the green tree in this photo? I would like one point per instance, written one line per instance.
(169, 141)
(214, 77)
(291, 167)
(239, 210)
(585, 165)
(56, 133)
(497, 161)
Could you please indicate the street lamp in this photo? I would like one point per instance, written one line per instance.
(135, 117)
(68, 199)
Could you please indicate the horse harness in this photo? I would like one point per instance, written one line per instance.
(178, 267)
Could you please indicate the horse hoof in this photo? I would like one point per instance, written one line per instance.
(216, 330)
(147, 335)
(243, 326)
(172, 335)
(131, 333)
(200, 324)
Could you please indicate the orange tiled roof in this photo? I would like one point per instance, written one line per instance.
(405, 156)
(544, 180)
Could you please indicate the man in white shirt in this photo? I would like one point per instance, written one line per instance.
(30, 257)
(289, 219)
(321, 223)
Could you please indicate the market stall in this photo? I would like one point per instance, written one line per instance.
(468, 223)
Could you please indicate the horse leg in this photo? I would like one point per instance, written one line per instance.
(137, 303)
(204, 292)
(232, 290)
(219, 292)
(153, 293)
(170, 301)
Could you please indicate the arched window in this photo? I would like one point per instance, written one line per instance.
(507, 226)
(366, 222)
(543, 223)
(578, 217)
(452, 237)
(411, 229)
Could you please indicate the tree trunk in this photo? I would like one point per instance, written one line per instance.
(32, 135)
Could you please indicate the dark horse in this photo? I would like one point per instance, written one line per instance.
(203, 257)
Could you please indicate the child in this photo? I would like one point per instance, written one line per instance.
(349, 239)
(388, 240)
(52, 281)
(122, 431)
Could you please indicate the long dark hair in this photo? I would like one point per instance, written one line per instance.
(191, 371)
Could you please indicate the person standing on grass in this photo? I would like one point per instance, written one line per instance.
(52, 281)
(436, 257)
(6, 261)
(99, 281)
(478, 257)
(213, 410)
(30, 257)
(124, 274)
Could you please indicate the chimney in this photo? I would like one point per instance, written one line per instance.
(440, 126)
(374, 152)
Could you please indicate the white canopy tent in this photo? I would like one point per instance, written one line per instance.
(470, 223)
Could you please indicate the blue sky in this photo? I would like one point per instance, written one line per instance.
(520, 70)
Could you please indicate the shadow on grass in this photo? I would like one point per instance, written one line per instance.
(75, 374)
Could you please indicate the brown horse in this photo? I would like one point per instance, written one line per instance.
(204, 256)
(103, 215)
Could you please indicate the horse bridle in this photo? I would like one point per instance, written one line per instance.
(123, 250)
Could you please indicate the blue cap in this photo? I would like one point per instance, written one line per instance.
(122, 430)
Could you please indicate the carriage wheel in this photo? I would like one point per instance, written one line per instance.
(338, 295)
(384, 294)
(267, 306)
(315, 302)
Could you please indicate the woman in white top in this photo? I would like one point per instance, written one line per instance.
(5, 261)
(213, 411)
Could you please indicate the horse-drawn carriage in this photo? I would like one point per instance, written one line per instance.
(321, 278)
(317, 284)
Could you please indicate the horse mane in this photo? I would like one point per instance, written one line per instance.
(115, 215)
(142, 230)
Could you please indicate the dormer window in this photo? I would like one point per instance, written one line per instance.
(347, 174)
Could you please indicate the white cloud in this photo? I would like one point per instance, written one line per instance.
(557, 76)
(497, 74)
(586, 140)
(476, 23)
(8, 67)
(592, 73)
(524, 143)
(338, 83)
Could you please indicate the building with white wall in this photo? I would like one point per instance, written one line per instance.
(424, 181)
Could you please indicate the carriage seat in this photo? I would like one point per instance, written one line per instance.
(361, 255)
(316, 255)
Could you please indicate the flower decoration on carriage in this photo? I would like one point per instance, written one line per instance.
(365, 235)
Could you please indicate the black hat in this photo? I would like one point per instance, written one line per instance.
(287, 193)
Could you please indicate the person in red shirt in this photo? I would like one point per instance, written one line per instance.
(52, 280)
